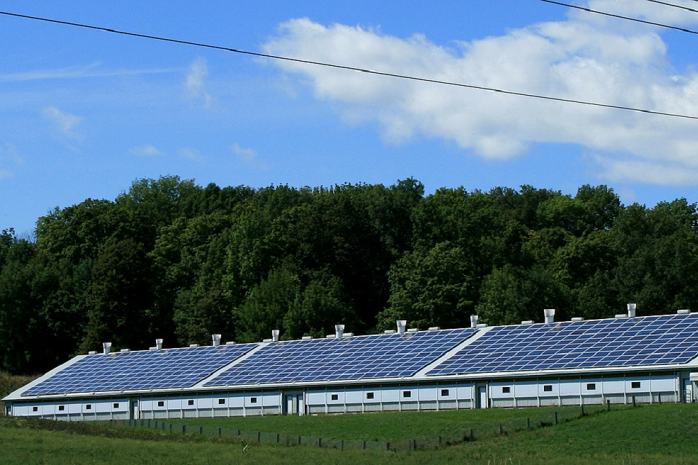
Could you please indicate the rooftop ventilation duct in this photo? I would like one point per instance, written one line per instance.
(158, 344)
(92, 352)
(107, 347)
(578, 318)
(683, 311)
(216, 339)
(527, 322)
(632, 310)
(338, 331)
(401, 325)
(275, 335)
(473, 321)
(434, 328)
(549, 314)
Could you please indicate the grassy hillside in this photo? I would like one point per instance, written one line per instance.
(657, 434)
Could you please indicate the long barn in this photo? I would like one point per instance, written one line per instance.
(624, 359)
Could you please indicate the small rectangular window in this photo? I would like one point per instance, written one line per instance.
(61, 408)
(369, 395)
(445, 392)
(591, 386)
(221, 401)
(636, 385)
(335, 396)
(253, 400)
(548, 387)
(161, 403)
(88, 407)
(506, 389)
(190, 402)
(116, 405)
(406, 393)
(35, 409)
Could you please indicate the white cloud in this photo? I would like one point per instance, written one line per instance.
(146, 151)
(247, 156)
(65, 123)
(190, 154)
(9, 156)
(582, 58)
(196, 81)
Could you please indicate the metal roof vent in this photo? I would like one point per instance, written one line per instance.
(125, 350)
(230, 343)
(275, 335)
(473, 321)
(620, 316)
(306, 338)
(338, 331)
(401, 325)
(481, 325)
(632, 310)
(389, 331)
(345, 335)
(412, 330)
(216, 339)
(683, 311)
(577, 318)
(549, 315)
(107, 347)
(92, 352)
(193, 345)
(158, 344)
(434, 328)
(527, 322)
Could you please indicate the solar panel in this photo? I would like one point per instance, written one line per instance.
(152, 369)
(655, 340)
(358, 357)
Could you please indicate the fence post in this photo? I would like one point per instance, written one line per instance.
(528, 422)
(387, 445)
(220, 431)
(633, 401)
(278, 438)
(319, 442)
(184, 429)
(472, 436)
(501, 429)
(201, 430)
(582, 409)
(363, 445)
(608, 405)
(259, 437)
(341, 447)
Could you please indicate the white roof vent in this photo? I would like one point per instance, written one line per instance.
(230, 343)
(275, 335)
(412, 330)
(158, 344)
(683, 311)
(549, 315)
(527, 322)
(632, 310)
(267, 340)
(92, 352)
(306, 338)
(401, 325)
(482, 325)
(107, 347)
(434, 328)
(473, 321)
(193, 345)
(216, 339)
(389, 331)
(348, 335)
(621, 316)
(125, 350)
(338, 331)
(577, 318)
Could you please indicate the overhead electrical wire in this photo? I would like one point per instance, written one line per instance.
(693, 10)
(352, 68)
(627, 18)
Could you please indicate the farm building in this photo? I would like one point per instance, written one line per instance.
(623, 359)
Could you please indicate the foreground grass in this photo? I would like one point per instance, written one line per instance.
(659, 434)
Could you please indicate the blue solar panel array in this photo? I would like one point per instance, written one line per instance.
(352, 358)
(152, 369)
(654, 340)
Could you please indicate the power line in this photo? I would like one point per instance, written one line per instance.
(673, 5)
(627, 18)
(352, 68)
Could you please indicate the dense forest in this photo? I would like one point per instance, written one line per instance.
(170, 259)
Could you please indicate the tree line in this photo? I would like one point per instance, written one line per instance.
(171, 259)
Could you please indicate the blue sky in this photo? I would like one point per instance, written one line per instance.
(84, 113)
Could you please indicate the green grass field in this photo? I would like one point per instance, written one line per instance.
(657, 434)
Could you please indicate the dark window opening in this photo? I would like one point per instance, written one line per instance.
(161, 403)
(445, 392)
(335, 396)
(221, 401)
(406, 393)
(35, 409)
(253, 400)
(88, 407)
(369, 395)
(61, 408)
(548, 387)
(116, 405)
(191, 402)
(636, 385)
(506, 389)
(591, 386)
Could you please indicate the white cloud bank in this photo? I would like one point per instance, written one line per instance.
(586, 57)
